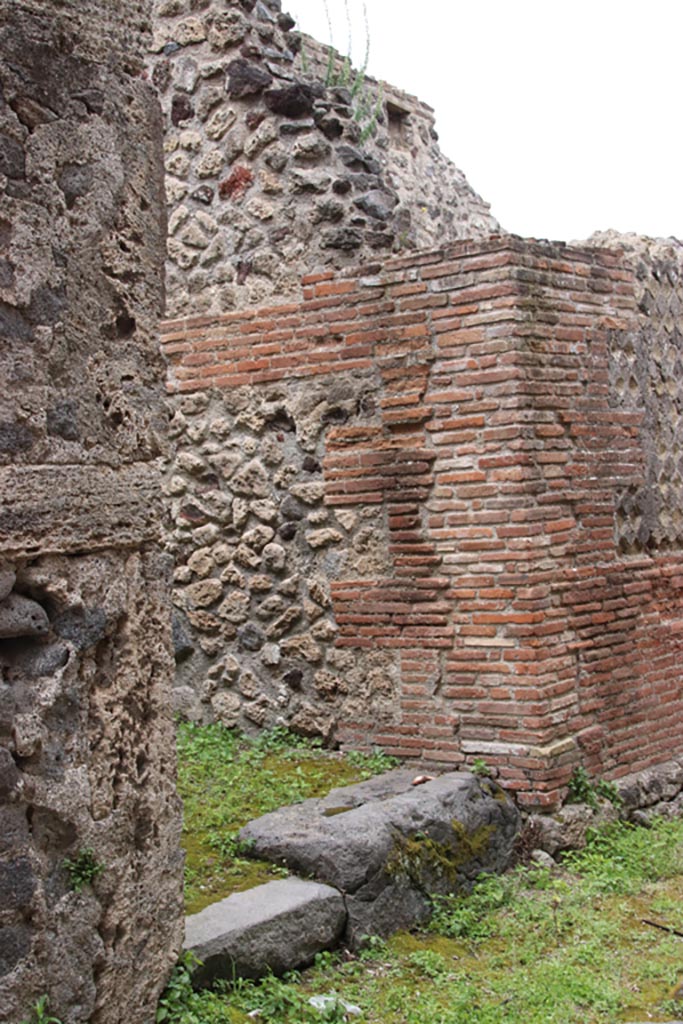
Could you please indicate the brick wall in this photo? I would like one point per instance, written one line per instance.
(517, 629)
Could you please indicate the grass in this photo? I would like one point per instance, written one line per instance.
(225, 780)
(530, 947)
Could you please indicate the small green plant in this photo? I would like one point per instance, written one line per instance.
(429, 963)
(471, 917)
(581, 789)
(621, 856)
(367, 103)
(324, 960)
(332, 1011)
(374, 948)
(230, 845)
(175, 1005)
(277, 997)
(480, 767)
(372, 764)
(372, 116)
(670, 1006)
(342, 75)
(280, 740)
(608, 791)
(41, 1013)
(83, 869)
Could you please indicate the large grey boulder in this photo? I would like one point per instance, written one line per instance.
(388, 845)
(277, 926)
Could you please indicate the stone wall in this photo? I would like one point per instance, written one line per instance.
(397, 512)
(86, 741)
(271, 173)
(646, 376)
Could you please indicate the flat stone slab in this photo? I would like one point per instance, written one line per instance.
(278, 926)
(388, 844)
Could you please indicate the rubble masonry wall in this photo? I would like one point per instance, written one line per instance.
(271, 173)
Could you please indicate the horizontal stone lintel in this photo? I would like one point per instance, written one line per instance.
(492, 748)
(64, 509)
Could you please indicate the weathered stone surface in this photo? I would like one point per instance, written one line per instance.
(222, 80)
(7, 581)
(377, 204)
(182, 643)
(388, 844)
(567, 828)
(273, 556)
(226, 708)
(187, 703)
(86, 736)
(321, 538)
(649, 511)
(205, 593)
(245, 79)
(652, 786)
(294, 100)
(20, 616)
(278, 926)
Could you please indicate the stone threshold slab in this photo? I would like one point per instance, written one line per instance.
(275, 927)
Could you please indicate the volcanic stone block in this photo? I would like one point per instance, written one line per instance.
(388, 844)
(278, 926)
(20, 616)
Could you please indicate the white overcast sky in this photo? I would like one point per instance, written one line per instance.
(565, 115)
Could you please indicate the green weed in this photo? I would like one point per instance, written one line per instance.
(581, 789)
(176, 1003)
(83, 869)
(41, 1013)
(480, 767)
(622, 857)
(279, 997)
(371, 764)
(470, 916)
(367, 105)
(428, 963)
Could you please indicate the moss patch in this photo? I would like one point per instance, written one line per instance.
(435, 866)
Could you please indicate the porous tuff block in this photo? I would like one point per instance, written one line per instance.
(86, 733)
